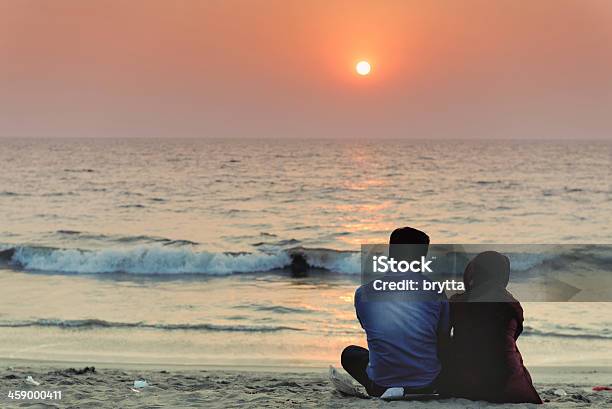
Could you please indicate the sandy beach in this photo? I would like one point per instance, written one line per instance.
(110, 386)
(220, 204)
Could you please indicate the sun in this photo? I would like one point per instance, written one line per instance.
(363, 68)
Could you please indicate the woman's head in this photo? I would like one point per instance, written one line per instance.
(489, 268)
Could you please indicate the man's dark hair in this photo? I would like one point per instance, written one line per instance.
(408, 244)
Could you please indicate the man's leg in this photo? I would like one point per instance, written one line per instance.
(355, 360)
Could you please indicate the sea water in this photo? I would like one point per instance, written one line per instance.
(177, 250)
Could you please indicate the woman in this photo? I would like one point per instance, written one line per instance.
(484, 362)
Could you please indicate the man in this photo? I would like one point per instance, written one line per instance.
(404, 333)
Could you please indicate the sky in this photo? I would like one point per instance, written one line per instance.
(285, 68)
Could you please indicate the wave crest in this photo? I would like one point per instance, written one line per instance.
(144, 260)
(98, 323)
(159, 259)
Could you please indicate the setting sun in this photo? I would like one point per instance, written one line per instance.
(363, 68)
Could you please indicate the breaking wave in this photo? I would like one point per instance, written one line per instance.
(87, 324)
(98, 323)
(569, 333)
(168, 257)
(158, 259)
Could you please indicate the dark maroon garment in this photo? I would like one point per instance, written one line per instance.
(484, 362)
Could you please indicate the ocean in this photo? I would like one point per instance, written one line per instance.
(177, 251)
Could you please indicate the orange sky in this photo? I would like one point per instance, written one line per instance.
(283, 68)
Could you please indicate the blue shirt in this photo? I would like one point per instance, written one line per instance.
(402, 332)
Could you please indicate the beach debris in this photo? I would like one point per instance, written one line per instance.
(73, 371)
(31, 381)
(87, 369)
(141, 383)
(601, 388)
(343, 384)
(560, 392)
(580, 398)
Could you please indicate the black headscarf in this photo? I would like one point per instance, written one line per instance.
(486, 278)
(488, 269)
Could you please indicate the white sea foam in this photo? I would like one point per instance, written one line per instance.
(145, 260)
(336, 261)
(161, 259)
(158, 259)
(526, 261)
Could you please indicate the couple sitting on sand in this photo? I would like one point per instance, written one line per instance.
(410, 343)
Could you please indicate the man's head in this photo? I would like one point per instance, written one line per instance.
(408, 244)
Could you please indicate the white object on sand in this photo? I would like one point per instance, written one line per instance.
(31, 381)
(393, 394)
(559, 392)
(344, 384)
(140, 383)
